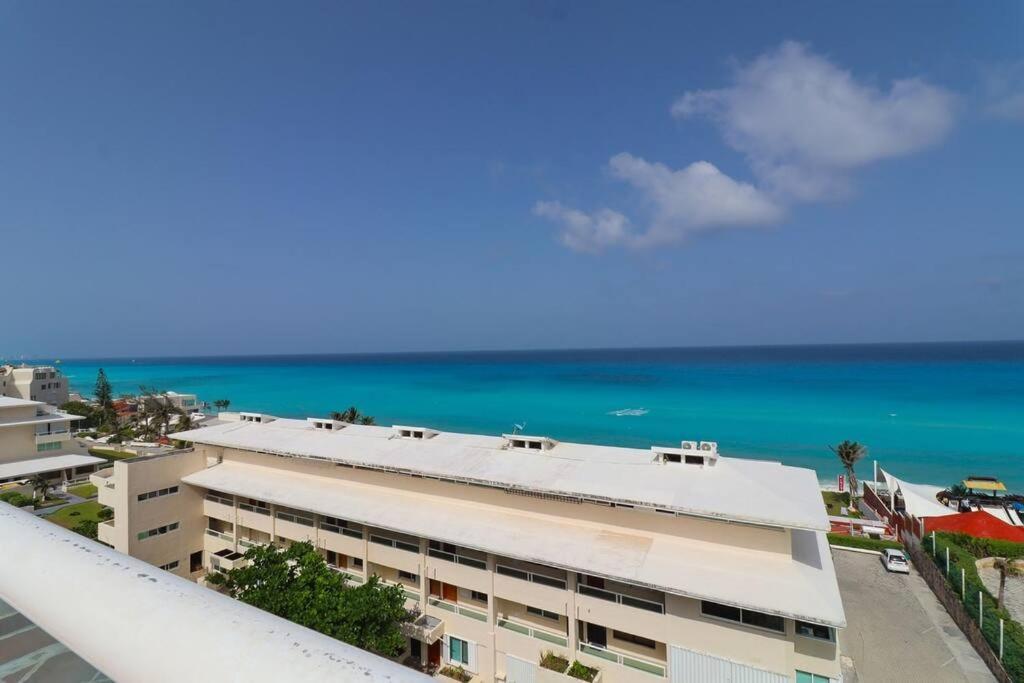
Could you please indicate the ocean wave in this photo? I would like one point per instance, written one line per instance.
(629, 412)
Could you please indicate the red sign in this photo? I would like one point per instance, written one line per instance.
(842, 483)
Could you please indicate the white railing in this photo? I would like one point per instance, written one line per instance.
(217, 499)
(221, 535)
(394, 543)
(645, 664)
(534, 632)
(457, 559)
(542, 579)
(253, 508)
(620, 598)
(458, 609)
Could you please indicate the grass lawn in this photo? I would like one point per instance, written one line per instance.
(110, 454)
(83, 491)
(73, 514)
(835, 500)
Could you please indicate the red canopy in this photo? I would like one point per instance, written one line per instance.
(977, 523)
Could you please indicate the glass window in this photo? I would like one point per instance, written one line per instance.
(805, 677)
(761, 620)
(813, 630)
(458, 652)
(714, 609)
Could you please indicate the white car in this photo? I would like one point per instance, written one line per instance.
(895, 561)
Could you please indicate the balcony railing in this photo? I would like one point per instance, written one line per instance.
(343, 530)
(400, 545)
(246, 543)
(651, 666)
(252, 508)
(217, 499)
(534, 632)
(296, 519)
(458, 559)
(628, 600)
(221, 535)
(530, 576)
(458, 609)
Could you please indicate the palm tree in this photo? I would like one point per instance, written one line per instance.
(849, 453)
(352, 416)
(184, 421)
(1006, 567)
(159, 411)
(221, 403)
(40, 485)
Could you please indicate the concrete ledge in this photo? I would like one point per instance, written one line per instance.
(855, 550)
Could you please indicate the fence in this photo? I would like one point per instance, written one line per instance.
(965, 598)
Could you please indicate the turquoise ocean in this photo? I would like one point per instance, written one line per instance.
(930, 413)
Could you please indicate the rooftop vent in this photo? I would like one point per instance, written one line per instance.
(414, 432)
(528, 443)
(702, 453)
(254, 417)
(326, 424)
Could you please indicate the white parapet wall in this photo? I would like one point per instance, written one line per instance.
(135, 622)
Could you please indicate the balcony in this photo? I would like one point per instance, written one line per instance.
(648, 665)
(521, 583)
(456, 608)
(346, 540)
(226, 560)
(255, 517)
(219, 507)
(393, 552)
(424, 628)
(543, 634)
(459, 568)
(621, 598)
(218, 540)
(105, 532)
(295, 526)
(52, 437)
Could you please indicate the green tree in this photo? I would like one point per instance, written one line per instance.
(41, 486)
(849, 453)
(104, 397)
(105, 513)
(352, 416)
(87, 528)
(296, 584)
(222, 403)
(82, 408)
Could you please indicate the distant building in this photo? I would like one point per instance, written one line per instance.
(669, 564)
(43, 383)
(188, 403)
(36, 439)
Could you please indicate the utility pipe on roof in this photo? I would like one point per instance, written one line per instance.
(135, 622)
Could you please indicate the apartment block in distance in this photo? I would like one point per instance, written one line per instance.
(35, 438)
(43, 383)
(664, 564)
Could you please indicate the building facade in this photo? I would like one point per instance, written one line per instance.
(669, 563)
(44, 383)
(35, 438)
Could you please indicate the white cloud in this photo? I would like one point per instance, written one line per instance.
(698, 197)
(804, 123)
(586, 232)
(804, 126)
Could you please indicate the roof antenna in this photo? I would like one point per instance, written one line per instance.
(517, 428)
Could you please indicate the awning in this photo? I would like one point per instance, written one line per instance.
(978, 523)
(918, 499)
(985, 484)
(802, 586)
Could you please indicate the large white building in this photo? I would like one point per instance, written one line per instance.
(43, 383)
(35, 438)
(668, 563)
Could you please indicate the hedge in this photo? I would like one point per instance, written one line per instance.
(862, 543)
(963, 551)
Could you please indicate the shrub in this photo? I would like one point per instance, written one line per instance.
(862, 543)
(554, 662)
(87, 528)
(456, 672)
(963, 551)
(582, 671)
(106, 513)
(16, 499)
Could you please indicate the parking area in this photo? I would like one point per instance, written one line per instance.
(897, 631)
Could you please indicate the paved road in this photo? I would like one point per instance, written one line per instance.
(897, 630)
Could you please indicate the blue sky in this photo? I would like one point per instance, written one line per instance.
(226, 178)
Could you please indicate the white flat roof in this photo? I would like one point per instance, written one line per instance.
(135, 622)
(735, 489)
(802, 586)
(26, 468)
(11, 402)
